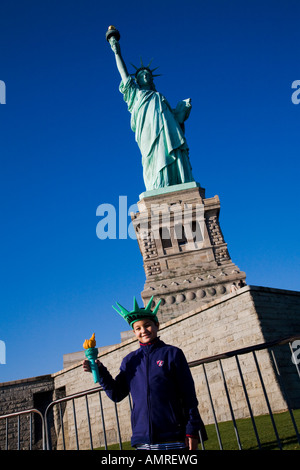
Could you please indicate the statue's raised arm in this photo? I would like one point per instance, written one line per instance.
(159, 129)
(113, 37)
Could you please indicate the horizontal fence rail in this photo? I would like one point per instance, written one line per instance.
(56, 406)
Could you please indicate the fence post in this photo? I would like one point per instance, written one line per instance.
(267, 401)
(248, 401)
(230, 407)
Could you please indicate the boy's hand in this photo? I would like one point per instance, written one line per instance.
(191, 443)
(87, 366)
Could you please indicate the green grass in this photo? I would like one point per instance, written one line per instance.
(266, 433)
(265, 430)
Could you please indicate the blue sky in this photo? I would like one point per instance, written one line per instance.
(66, 147)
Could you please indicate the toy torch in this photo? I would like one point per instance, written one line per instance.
(91, 353)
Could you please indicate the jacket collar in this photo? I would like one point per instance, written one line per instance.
(147, 347)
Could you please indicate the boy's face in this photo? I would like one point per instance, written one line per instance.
(145, 330)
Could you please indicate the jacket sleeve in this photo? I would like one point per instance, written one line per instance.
(186, 385)
(115, 388)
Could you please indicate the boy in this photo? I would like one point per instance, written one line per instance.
(164, 413)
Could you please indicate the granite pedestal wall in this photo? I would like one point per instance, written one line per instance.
(185, 257)
(250, 316)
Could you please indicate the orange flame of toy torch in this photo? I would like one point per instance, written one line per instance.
(90, 343)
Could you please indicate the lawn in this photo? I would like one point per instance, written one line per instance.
(265, 430)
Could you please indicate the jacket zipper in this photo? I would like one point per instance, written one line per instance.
(149, 399)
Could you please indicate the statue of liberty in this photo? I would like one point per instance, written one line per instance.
(159, 129)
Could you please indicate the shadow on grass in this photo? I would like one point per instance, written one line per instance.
(266, 433)
(290, 443)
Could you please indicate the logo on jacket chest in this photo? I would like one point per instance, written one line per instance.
(160, 363)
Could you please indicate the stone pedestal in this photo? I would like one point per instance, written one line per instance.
(186, 260)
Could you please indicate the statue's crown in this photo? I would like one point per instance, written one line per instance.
(138, 313)
(144, 67)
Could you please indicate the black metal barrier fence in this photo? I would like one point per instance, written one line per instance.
(59, 403)
(30, 413)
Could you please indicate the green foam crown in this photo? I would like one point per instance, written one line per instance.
(138, 313)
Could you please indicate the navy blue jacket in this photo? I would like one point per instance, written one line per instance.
(163, 394)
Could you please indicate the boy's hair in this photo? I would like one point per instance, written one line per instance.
(156, 323)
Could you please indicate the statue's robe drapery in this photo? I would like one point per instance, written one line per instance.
(159, 136)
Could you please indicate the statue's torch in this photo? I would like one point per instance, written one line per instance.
(91, 353)
(112, 35)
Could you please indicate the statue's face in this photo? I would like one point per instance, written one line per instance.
(145, 79)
